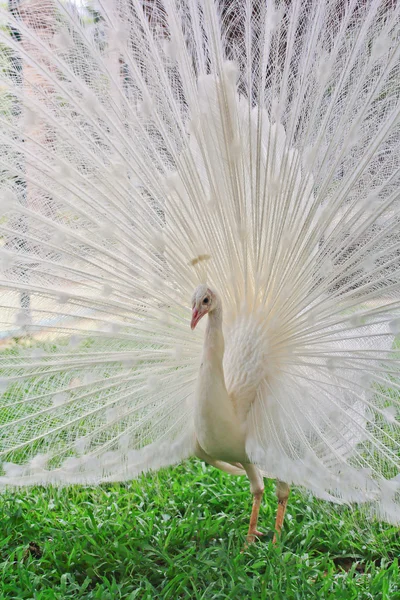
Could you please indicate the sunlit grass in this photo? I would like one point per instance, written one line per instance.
(178, 534)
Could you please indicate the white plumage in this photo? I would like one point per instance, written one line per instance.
(246, 150)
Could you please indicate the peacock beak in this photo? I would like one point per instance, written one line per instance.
(196, 316)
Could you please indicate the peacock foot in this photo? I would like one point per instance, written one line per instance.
(251, 538)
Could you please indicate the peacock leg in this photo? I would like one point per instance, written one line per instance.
(257, 489)
(282, 492)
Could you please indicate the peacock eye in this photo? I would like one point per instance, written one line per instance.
(205, 301)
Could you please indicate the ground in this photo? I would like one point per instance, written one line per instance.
(178, 534)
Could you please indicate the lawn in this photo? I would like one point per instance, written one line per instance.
(178, 534)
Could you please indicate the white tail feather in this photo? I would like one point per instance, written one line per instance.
(253, 145)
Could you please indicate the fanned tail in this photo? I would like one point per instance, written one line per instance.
(147, 148)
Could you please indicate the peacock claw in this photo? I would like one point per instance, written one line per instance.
(251, 537)
(258, 533)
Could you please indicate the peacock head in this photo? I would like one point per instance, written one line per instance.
(204, 301)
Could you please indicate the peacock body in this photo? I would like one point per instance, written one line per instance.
(247, 150)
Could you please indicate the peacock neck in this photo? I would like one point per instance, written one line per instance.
(218, 431)
(214, 339)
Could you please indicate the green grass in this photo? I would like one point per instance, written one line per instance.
(178, 534)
